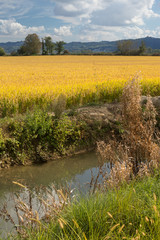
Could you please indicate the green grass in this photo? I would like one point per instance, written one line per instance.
(131, 212)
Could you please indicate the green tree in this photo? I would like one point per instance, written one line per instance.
(59, 47)
(126, 47)
(142, 48)
(2, 52)
(32, 44)
(66, 52)
(14, 53)
(22, 51)
(49, 45)
(43, 48)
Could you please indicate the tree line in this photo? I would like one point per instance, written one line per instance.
(34, 46)
(129, 47)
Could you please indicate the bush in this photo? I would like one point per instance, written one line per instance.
(40, 133)
(66, 133)
(2, 143)
(2, 52)
(32, 132)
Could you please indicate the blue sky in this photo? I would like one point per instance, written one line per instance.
(79, 20)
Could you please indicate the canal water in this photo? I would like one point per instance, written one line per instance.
(75, 171)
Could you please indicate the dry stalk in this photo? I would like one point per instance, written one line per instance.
(139, 152)
(29, 218)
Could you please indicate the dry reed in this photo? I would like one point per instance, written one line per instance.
(138, 153)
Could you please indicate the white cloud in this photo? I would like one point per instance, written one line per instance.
(89, 20)
(102, 33)
(97, 20)
(14, 8)
(63, 31)
(75, 9)
(124, 12)
(13, 28)
(105, 12)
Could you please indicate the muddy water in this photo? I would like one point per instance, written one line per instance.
(75, 171)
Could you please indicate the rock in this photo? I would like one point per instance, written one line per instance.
(104, 115)
(155, 101)
(97, 114)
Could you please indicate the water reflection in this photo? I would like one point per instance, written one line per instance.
(75, 171)
(56, 172)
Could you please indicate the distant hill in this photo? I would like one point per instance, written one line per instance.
(79, 47)
(109, 46)
(11, 46)
(104, 46)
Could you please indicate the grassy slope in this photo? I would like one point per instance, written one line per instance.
(132, 212)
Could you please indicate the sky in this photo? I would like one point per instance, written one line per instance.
(79, 20)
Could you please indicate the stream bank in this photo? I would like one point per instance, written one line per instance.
(38, 137)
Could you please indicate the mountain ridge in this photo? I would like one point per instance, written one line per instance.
(80, 47)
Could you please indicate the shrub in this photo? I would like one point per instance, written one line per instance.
(138, 152)
(2, 52)
(39, 133)
(66, 133)
(2, 143)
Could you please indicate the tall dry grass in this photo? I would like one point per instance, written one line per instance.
(138, 152)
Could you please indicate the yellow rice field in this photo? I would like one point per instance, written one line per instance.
(29, 81)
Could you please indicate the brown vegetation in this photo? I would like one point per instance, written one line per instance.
(138, 152)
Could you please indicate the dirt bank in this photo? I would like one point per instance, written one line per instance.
(23, 142)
